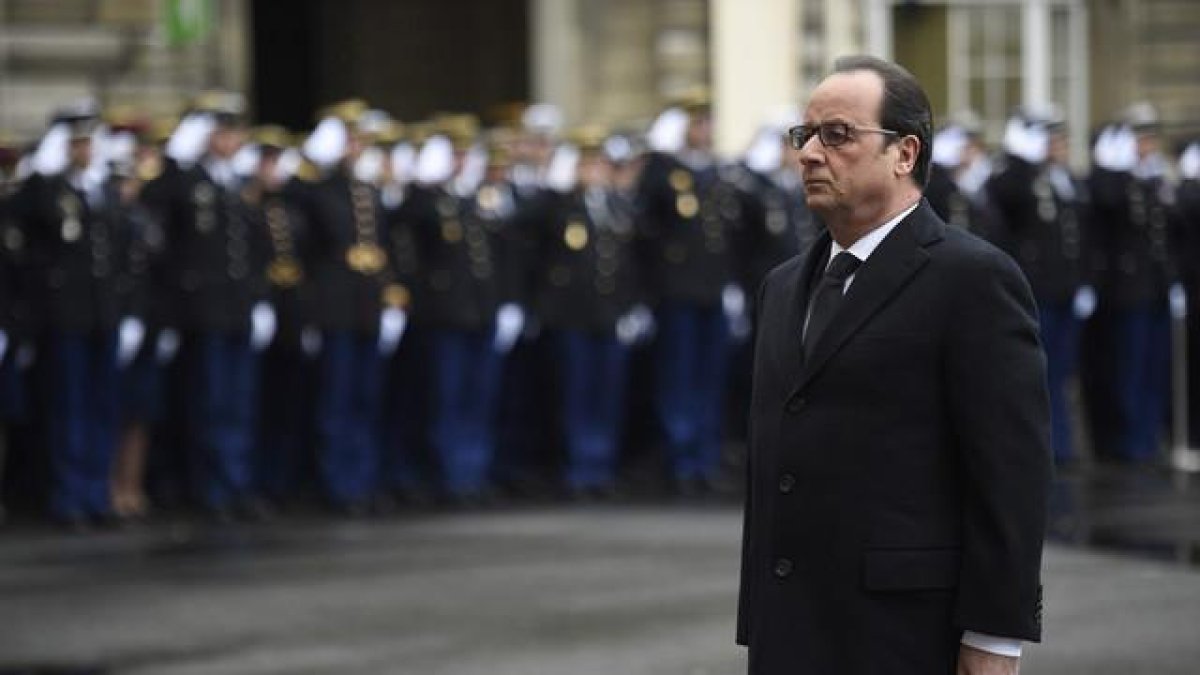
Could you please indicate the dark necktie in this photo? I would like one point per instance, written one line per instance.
(828, 297)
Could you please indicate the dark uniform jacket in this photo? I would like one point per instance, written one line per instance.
(1132, 229)
(12, 255)
(898, 479)
(277, 215)
(350, 267)
(213, 257)
(460, 285)
(1187, 225)
(1041, 227)
(686, 219)
(587, 276)
(775, 225)
(75, 254)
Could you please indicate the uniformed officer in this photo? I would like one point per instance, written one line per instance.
(220, 309)
(951, 203)
(457, 304)
(586, 289)
(1131, 197)
(687, 213)
(356, 304)
(12, 249)
(287, 370)
(74, 237)
(1187, 214)
(1040, 218)
(524, 464)
(133, 161)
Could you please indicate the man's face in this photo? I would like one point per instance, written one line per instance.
(699, 133)
(1059, 151)
(1147, 144)
(861, 172)
(268, 171)
(80, 152)
(594, 171)
(226, 141)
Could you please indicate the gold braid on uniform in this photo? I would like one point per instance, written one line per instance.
(366, 256)
(285, 270)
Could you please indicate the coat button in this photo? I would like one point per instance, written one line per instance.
(796, 404)
(786, 483)
(783, 567)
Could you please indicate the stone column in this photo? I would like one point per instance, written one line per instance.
(755, 66)
(557, 59)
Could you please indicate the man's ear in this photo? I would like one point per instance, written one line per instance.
(906, 161)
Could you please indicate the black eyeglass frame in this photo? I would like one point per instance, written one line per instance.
(799, 134)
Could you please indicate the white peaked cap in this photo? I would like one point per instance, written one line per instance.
(948, 146)
(765, 154)
(618, 149)
(404, 162)
(374, 121)
(1025, 139)
(1189, 162)
(245, 161)
(544, 118)
(668, 133)
(435, 162)
(561, 173)
(190, 139)
(369, 166)
(326, 145)
(50, 158)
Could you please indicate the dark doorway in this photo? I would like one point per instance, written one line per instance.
(409, 57)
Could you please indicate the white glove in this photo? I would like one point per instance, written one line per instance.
(733, 301)
(636, 327)
(628, 329)
(130, 334)
(167, 346)
(310, 341)
(1177, 299)
(262, 326)
(1084, 305)
(3, 345)
(510, 321)
(391, 328)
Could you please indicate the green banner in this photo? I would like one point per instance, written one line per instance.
(187, 21)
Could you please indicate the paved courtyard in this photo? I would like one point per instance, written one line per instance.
(635, 590)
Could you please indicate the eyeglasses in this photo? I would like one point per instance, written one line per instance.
(832, 134)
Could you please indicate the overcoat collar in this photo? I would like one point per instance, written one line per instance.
(899, 256)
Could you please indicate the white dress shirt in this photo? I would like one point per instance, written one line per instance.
(862, 249)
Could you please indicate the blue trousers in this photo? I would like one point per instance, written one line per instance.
(286, 421)
(593, 372)
(1060, 339)
(692, 360)
(222, 376)
(1142, 380)
(466, 379)
(404, 458)
(348, 413)
(82, 388)
(12, 391)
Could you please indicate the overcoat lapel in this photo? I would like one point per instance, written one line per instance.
(899, 256)
(792, 349)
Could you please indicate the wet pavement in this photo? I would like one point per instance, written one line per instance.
(639, 589)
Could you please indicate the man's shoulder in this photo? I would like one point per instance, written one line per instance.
(967, 253)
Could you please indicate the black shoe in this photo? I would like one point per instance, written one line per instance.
(355, 510)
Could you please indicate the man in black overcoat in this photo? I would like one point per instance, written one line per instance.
(899, 453)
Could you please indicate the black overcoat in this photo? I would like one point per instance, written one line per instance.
(898, 480)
